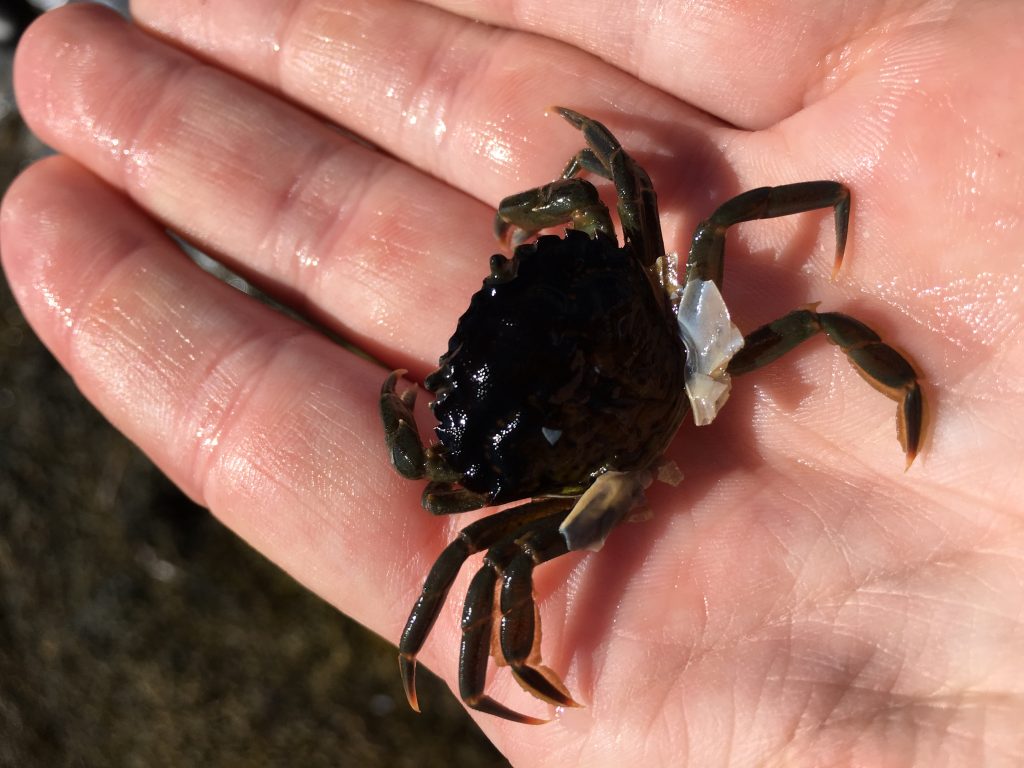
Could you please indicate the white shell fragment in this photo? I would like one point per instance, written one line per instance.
(612, 496)
(640, 515)
(551, 435)
(669, 473)
(711, 340)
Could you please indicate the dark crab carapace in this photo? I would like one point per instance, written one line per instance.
(564, 383)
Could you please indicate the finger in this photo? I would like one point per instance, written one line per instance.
(462, 100)
(253, 415)
(788, 50)
(360, 242)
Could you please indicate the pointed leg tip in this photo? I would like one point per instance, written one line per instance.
(910, 423)
(835, 269)
(525, 719)
(389, 385)
(489, 706)
(571, 115)
(911, 455)
(407, 668)
(545, 685)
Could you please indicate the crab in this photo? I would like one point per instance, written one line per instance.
(567, 378)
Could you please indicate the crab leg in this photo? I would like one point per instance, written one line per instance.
(637, 202)
(537, 542)
(707, 250)
(475, 537)
(520, 634)
(880, 365)
(477, 623)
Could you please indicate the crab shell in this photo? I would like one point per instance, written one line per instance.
(567, 363)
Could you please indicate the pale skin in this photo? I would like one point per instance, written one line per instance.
(798, 599)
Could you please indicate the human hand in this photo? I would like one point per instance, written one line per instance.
(798, 599)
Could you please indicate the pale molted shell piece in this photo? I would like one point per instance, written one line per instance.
(711, 340)
(611, 497)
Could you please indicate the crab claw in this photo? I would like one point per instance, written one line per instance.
(405, 449)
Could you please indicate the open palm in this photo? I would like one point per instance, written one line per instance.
(798, 599)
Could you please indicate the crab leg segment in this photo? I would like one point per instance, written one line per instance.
(707, 250)
(477, 621)
(572, 199)
(637, 202)
(520, 633)
(513, 561)
(476, 537)
(880, 365)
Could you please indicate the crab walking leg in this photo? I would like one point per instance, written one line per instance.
(880, 365)
(520, 632)
(475, 537)
(707, 249)
(478, 620)
(477, 623)
(522, 215)
(637, 201)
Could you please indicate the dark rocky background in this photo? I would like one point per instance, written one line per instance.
(134, 629)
